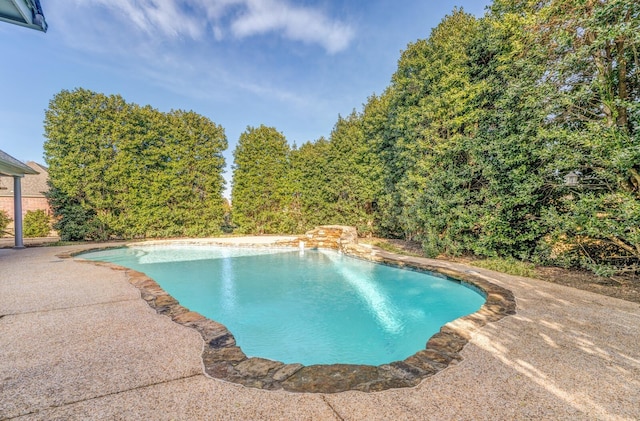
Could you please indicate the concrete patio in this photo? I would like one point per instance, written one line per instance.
(78, 342)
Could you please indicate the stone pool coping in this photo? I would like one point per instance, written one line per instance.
(223, 359)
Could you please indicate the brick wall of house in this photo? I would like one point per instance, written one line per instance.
(33, 189)
(28, 204)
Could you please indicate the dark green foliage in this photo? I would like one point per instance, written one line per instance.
(36, 224)
(595, 73)
(468, 149)
(121, 170)
(432, 177)
(485, 119)
(5, 220)
(261, 194)
(310, 183)
(353, 173)
(277, 189)
(73, 222)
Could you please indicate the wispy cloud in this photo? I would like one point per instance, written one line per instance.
(152, 16)
(195, 19)
(186, 48)
(293, 22)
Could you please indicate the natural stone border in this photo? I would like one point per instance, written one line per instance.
(223, 359)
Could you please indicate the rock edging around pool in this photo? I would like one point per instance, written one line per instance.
(223, 359)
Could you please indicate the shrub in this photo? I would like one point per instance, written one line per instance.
(37, 224)
(5, 220)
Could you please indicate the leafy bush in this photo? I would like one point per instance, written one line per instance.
(37, 224)
(5, 220)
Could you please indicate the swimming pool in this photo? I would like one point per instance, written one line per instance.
(309, 307)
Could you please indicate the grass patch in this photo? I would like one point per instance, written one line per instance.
(63, 243)
(394, 249)
(507, 265)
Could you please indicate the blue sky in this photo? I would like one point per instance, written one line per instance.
(293, 65)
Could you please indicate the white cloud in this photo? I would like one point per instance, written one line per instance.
(194, 19)
(296, 23)
(152, 41)
(151, 16)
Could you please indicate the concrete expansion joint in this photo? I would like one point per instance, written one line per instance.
(338, 416)
(51, 310)
(141, 387)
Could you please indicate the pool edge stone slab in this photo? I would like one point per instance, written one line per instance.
(223, 359)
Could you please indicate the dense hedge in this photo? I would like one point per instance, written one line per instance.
(513, 135)
(119, 170)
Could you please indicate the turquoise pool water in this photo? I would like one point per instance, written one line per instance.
(309, 307)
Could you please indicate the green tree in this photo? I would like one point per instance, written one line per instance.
(73, 221)
(309, 182)
(174, 185)
(195, 152)
(80, 127)
(563, 89)
(468, 149)
(354, 174)
(434, 117)
(118, 169)
(511, 148)
(591, 51)
(261, 193)
(37, 224)
(339, 181)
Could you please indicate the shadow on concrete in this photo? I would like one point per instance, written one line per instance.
(9, 242)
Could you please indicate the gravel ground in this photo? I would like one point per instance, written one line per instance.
(77, 342)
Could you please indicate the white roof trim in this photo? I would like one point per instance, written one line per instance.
(12, 167)
(26, 13)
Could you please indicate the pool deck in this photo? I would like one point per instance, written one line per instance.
(78, 342)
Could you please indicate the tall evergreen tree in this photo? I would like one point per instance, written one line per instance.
(118, 169)
(310, 182)
(432, 116)
(353, 169)
(511, 146)
(261, 193)
(82, 130)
